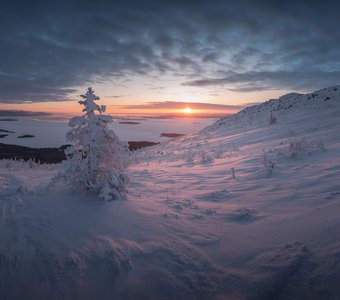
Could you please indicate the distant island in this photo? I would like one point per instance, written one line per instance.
(135, 145)
(8, 119)
(7, 131)
(129, 122)
(171, 134)
(26, 136)
(131, 119)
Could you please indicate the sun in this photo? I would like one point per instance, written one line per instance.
(187, 110)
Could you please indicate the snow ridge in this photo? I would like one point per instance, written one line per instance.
(325, 99)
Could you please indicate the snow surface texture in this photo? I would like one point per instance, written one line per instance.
(244, 209)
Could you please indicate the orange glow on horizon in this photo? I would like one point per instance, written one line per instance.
(138, 100)
(68, 109)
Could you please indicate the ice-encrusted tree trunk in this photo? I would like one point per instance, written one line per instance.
(97, 158)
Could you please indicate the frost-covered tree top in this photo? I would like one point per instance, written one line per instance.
(90, 104)
(90, 108)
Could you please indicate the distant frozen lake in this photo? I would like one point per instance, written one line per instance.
(50, 133)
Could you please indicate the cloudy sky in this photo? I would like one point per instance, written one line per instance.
(135, 53)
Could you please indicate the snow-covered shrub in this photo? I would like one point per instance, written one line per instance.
(31, 163)
(268, 163)
(301, 145)
(206, 157)
(233, 172)
(190, 159)
(272, 119)
(97, 158)
(218, 152)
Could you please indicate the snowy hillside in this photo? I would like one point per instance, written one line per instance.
(325, 100)
(244, 209)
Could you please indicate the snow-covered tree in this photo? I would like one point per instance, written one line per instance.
(97, 158)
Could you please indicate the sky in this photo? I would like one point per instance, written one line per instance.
(164, 56)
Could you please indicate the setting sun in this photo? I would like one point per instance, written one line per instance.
(187, 110)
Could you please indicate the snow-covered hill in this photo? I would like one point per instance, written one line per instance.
(325, 101)
(243, 209)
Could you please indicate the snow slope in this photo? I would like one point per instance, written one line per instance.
(188, 228)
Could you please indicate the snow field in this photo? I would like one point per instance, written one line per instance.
(189, 227)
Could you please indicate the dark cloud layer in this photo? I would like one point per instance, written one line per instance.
(49, 48)
(266, 80)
